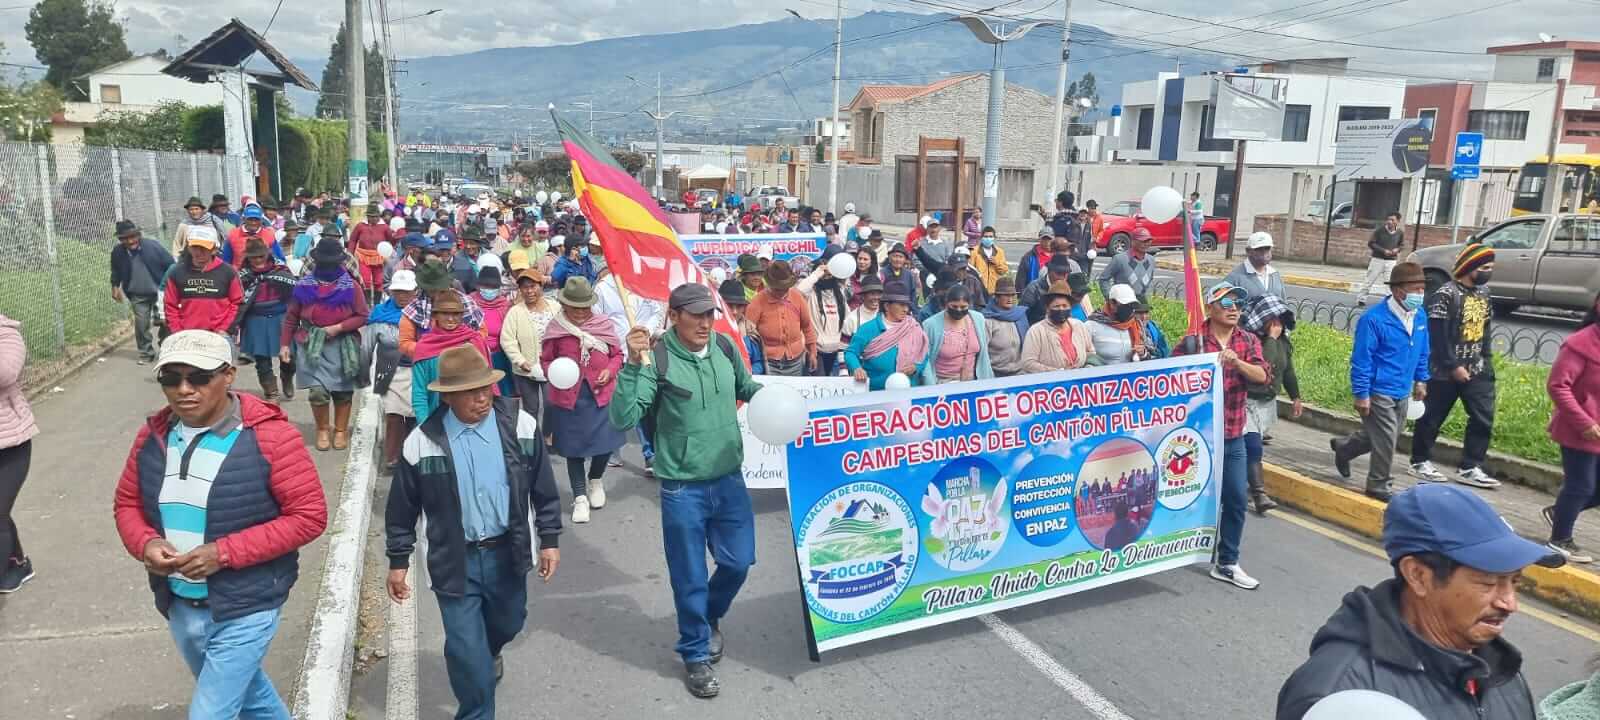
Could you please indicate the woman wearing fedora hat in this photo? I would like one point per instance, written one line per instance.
(578, 414)
(450, 327)
(325, 310)
(267, 285)
(891, 342)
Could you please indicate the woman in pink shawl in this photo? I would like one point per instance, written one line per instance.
(449, 328)
(889, 343)
(578, 414)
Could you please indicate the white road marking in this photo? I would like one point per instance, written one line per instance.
(323, 689)
(1086, 696)
(401, 698)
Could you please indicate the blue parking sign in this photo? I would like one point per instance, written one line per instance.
(1467, 157)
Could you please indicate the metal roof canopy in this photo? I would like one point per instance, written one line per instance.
(227, 49)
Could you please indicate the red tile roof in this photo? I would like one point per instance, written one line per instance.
(884, 94)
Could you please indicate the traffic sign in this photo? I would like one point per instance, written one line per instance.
(1464, 172)
(1469, 150)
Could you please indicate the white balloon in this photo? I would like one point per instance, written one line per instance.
(490, 260)
(931, 281)
(294, 264)
(778, 414)
(563, 374)
(897, 381)
(842, 265)
(385, 249)
(1415, 409)
(555, 197)
(1093, 253)
(541, 196)
(1367, 704)
(1161, 203)
(718, 276)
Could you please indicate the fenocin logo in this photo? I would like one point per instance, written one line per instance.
(1185, 468)
(858, 551)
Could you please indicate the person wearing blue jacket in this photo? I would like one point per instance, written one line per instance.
(574, 262)
(1388, 364)
(891, 342)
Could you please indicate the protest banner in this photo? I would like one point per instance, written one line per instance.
(710, 252)
(766, 466)
(925, 506)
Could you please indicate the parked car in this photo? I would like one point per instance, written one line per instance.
(1124, 218)
(1342, 212)
(768, 195)
(1546, 260)
(707, 198)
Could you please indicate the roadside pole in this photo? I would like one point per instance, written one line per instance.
(356, 108)
(1238, 187)
(1455, 210)
(1327, 219)
(1061, 106)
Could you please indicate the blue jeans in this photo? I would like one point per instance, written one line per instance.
(1581, 470)
(1235, 496)
(647, 432)
(695, 516)
(226, 660)
(478, 624)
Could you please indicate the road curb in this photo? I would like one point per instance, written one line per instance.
(1576, 591)
(322, 691)
(1222, 269)
(1536, 475)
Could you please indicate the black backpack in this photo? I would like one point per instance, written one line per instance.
(662, 358)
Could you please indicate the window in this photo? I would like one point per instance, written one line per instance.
(1208, 143)
(1522, 235)
(1147, 126)
(1578, 236)
(1547, 69)
(1296, 123)
(1427, 117)
(1499, 124)
(1362, 112)
(111, 94)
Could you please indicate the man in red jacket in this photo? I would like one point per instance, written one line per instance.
(217, 496)
(364, 239)
(204, 292)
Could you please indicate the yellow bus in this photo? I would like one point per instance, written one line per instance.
(1582, 183)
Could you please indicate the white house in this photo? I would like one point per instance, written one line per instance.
(1169, 119)
(136, 84)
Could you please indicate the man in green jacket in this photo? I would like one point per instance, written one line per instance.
(692, 391)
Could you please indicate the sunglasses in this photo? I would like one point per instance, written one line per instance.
(197, 379)
(1228, 303)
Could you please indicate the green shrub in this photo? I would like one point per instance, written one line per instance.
(204, 128)
(1322, 364)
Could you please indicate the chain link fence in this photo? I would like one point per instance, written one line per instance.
(59, 205)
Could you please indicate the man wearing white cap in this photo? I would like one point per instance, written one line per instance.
(392, 381)
(1256, 274)
(848, 220)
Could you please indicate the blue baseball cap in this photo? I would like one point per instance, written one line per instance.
(254, 211)
(1458, 524)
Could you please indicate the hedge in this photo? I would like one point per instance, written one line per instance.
(315, 154)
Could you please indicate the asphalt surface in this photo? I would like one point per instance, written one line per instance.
(1175, 645)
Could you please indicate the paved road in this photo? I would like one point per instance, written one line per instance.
(83, 639)
(1175, 645)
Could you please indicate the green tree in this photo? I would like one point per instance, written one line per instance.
(335, 87)
(26, 110)
(631, 161)
(158, 129)
(1084, 87)
(74, 37)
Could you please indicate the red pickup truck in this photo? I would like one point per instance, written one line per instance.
(1123, 218)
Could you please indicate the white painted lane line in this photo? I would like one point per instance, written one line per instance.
(401, 698)
(1086, 696)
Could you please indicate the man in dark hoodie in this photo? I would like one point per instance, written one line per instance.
(1430, 635)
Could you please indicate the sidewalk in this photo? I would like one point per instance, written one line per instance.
(83, 639)
(1302, 274)
(1305, 450)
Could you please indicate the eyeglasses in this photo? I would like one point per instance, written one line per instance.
(197, 379)
(1228, 303)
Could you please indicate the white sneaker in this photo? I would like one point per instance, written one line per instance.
(1235, 575)
(580, 510)
(1476, 477)
(1425, 472)
(597, 494)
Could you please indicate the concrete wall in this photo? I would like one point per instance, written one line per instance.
(961, 110)
(143, 83)
(1346, 246)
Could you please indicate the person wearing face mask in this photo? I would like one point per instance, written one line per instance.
(829, 301)
(1118, 336)
(1270, 320)
(1461, 365)
(1008, 323)
(1388, 363)
(495, 302)
(1058, 342)
(1256, 274)
(325, 310)
(574, 262)
(958, 341)
(989, 261)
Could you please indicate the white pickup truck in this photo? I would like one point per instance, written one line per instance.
(768, 196)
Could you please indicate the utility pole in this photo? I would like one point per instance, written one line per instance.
(388, 97)
(998, 37)
(1233, 204)
(356, 109)
(1061, 103)
(660, 118)
(833, 130)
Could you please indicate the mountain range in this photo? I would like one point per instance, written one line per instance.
(737, 84)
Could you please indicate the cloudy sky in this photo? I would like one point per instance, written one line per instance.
(304, 28)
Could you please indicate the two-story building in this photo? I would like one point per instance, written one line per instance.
(133, 85)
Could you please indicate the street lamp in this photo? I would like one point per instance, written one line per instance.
(997, 36)
(434, 11)
(833, 128)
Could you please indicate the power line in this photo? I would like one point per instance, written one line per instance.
(1333, 41)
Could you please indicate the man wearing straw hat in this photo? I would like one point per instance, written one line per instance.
(488, 451)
